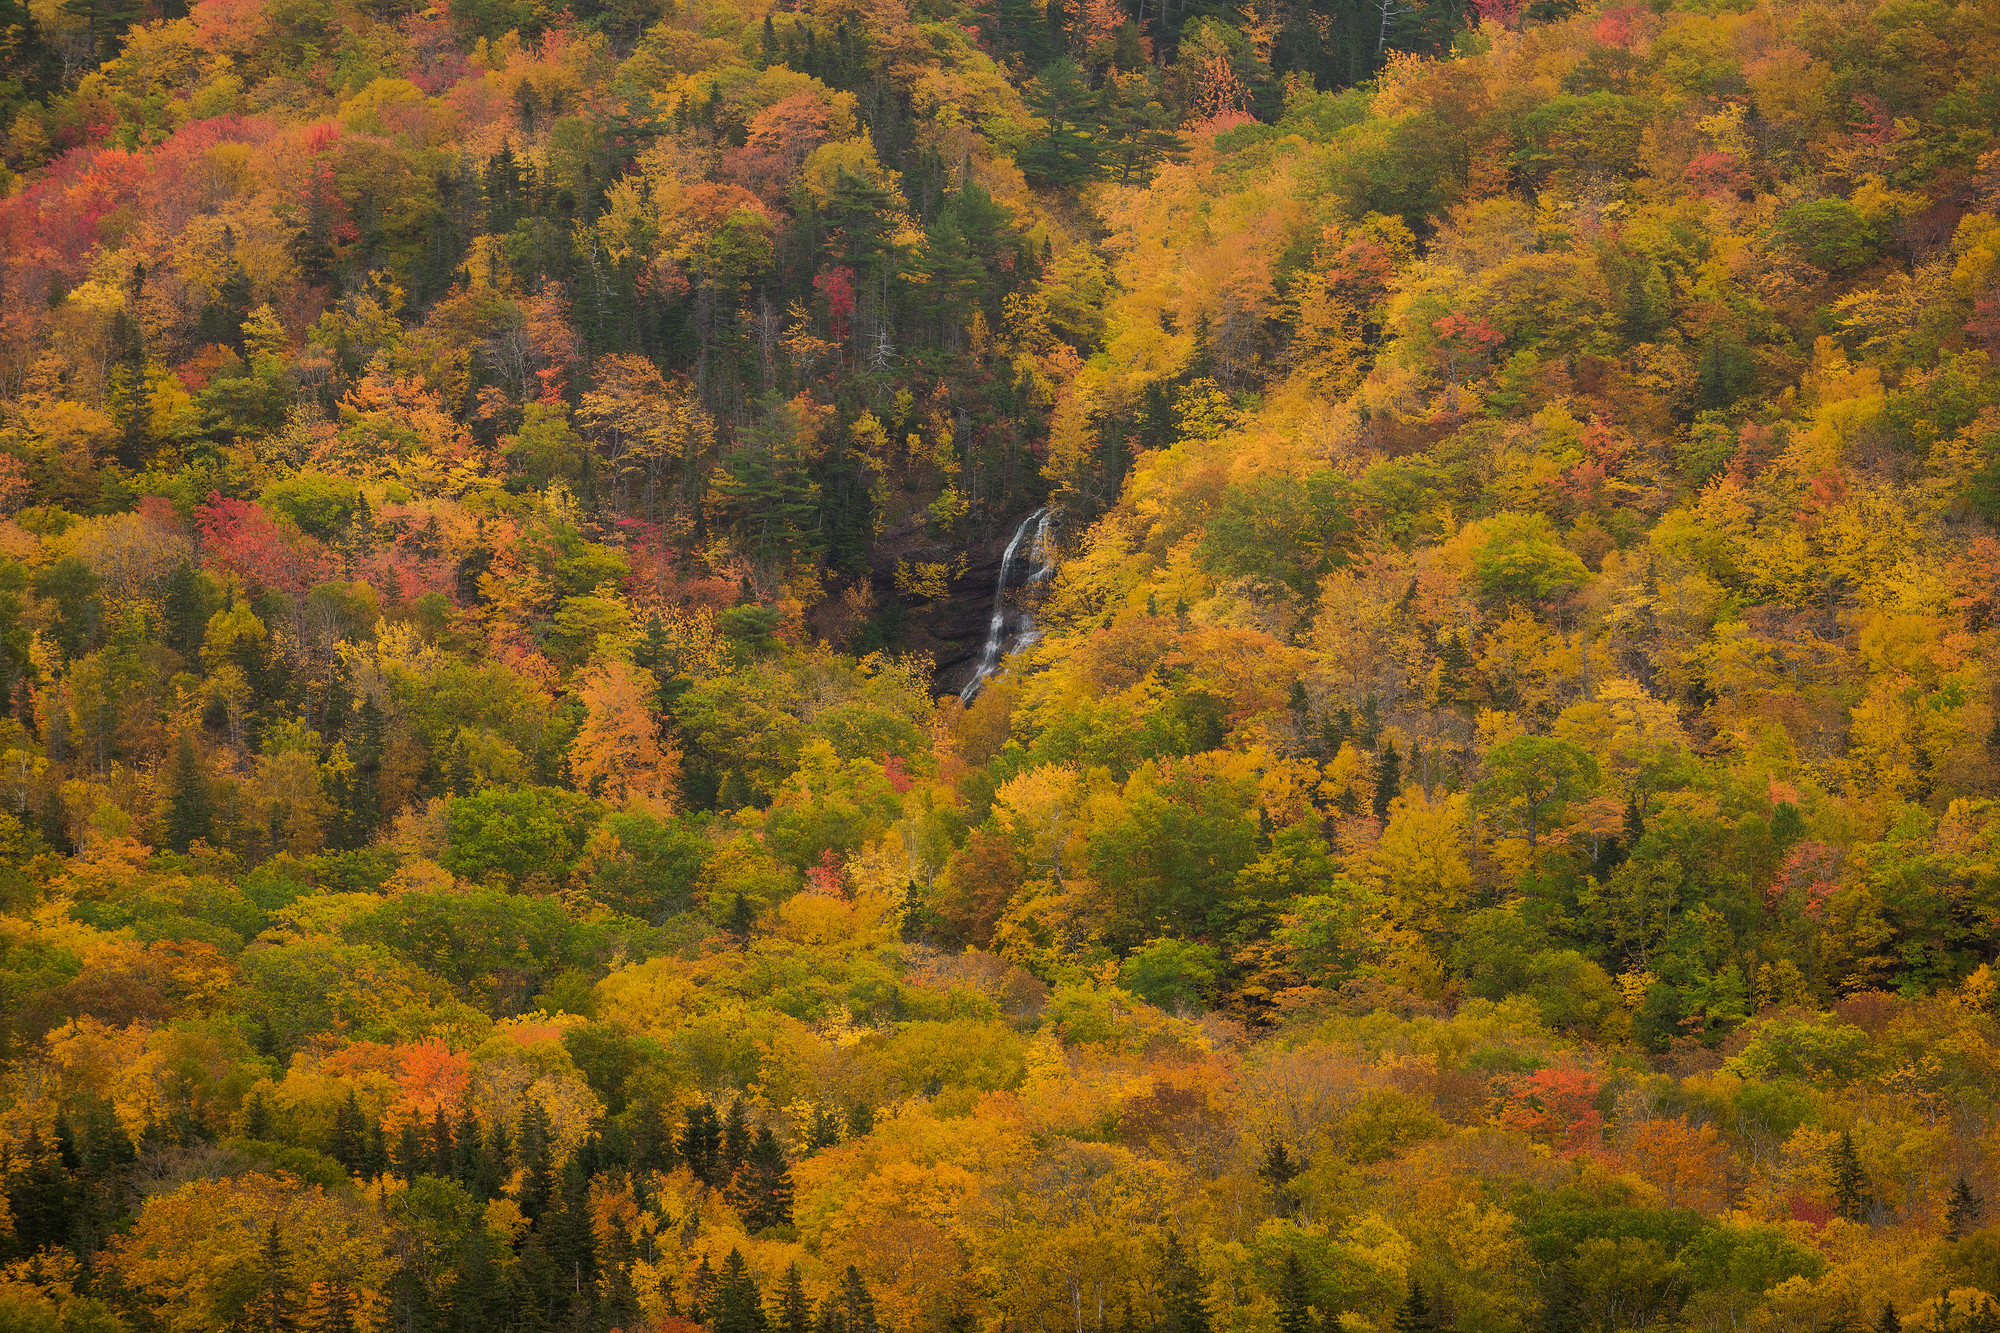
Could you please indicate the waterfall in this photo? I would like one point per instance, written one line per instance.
(999, 642)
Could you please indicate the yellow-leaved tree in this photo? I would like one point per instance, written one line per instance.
(620, 746)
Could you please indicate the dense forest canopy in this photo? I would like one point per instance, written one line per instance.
(1495, 824)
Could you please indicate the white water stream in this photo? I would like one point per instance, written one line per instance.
(1012, 629)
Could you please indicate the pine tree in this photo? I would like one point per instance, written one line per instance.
(256, 1115)
(652, 1138)
(794, 1312)
(190, 811)
(531, 1149)
(1454, 672)
(1888, 1322)
(184, 612)
(349, 1134)
(458, 768)
(701, 1294)
(765, 1184)
(274, 1303)
(739, 1307)
(496, 1163)
(1388, 780)
(741, 920)
(1851, 1197)
(444, 1154)
(701, 1143)
(860, 1120)
(331, 1308)
(412, 1153)
(1294, 1314)
(375, 1152)
(1182, 1291)
(1414, 1315)
(1278, 1171)
(736, 1140)
(857, 1306)
(824, 1131)
(1962, 1211)
(468, 1150)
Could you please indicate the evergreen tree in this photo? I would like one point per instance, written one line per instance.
(495, 1164)
(1851, 1196)
(256, 1115)
(1278, 1171)
(739, 1307)
(1889, 1322)
(1294, 1314)
(1183, 1290)
(652, 1137)
(764, 1185)
(349, 1134)
(274, 1301)
(701, 1143)
(794, 1312)
(444, 1154)
(331, 1308)
(1388, 780)
(741, 921)
(468, 1150)
(41, 1195)
(1962, 1211)
(375, 1152)
(1414, 1315)
(190, 811)
(701, 1294)
(824, 1132)
(860, 1120)
(1066, 154)
(736, 1140)
(532, 1151)
(184, 612)
(412, 1153)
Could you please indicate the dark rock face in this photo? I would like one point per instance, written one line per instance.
(953, 629)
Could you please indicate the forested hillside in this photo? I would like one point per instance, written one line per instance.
(1495, 824)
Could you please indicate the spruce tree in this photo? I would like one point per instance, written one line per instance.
(701, 1294)
(444, 1155)
(766, 1184)
(1414, 1314)
(532, 1150)
(824, 1132)
(1851, 1197)
(467, 1150)
(331, 1308)
(1388, 779)
(1294, 1314)
(739, 1307)
(190, 811)
(652, 1137)
(413, 1155)
(1182, 1290)
(736, 1140)
(701, 1144)
(349, 1134)
(495, 1164)
(1962, 1211)
(794, 1312)
(274, 1301)
(1888, 1322)
(860, 1120)
(1278, 1171)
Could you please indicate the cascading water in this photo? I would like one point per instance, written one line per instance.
(1009, 629)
